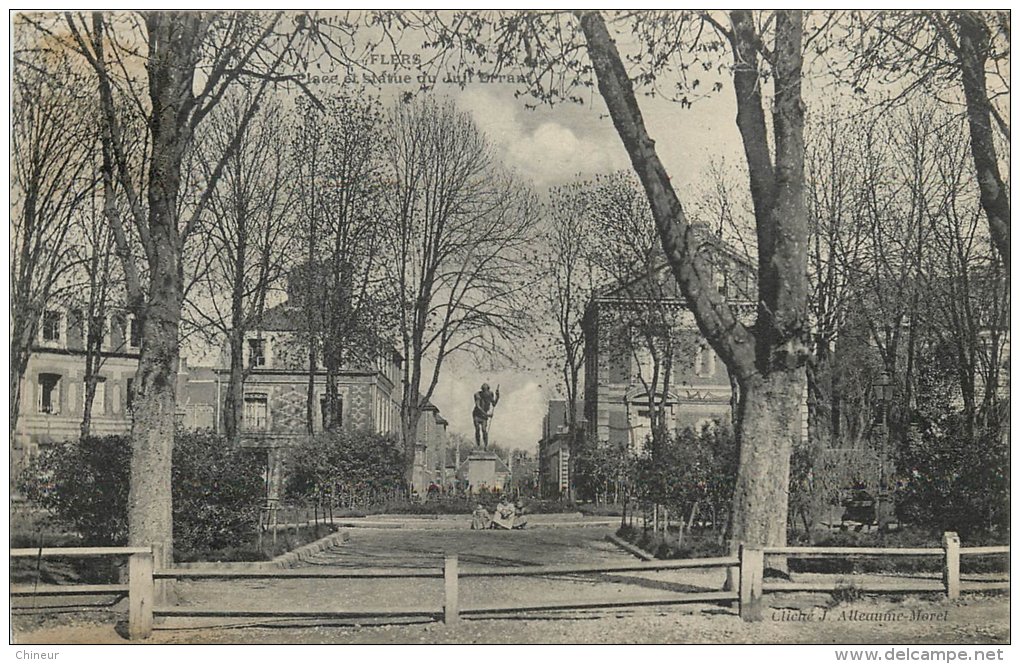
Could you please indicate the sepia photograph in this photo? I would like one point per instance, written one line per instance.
(522, 326)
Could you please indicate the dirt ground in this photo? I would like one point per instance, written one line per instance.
(791, 618)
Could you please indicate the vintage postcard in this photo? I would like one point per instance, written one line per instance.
(511, 327)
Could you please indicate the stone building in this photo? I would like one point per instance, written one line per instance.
(275, 411)
(52, 390)
(275, 395)
(619, 361)
(554, 449)
(430, 450)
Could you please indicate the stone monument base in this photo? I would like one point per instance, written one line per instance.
(480, 471)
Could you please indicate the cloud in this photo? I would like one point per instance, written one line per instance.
(544, 150)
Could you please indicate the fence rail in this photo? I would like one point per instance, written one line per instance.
(750, 563)
(140, 587)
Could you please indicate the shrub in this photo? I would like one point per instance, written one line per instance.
(695, 545)
(84, 484)
(954, 478)
(218, 489)
(336, 463)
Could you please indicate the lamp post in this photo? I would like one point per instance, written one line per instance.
(883, 391)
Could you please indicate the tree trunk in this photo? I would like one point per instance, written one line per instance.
(974, 44)
(89, 398)
(150, 512)
(170, 66)
(310, 401)
(19, 364)
(770, 423)
(332, 417)
(768, 360)
(410, 416)
(233, 401)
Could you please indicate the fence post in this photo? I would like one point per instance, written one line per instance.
(451, 610)
(752, 570)
(951, 570)
(140, 595)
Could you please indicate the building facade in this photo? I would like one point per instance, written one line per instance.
(276, 393)
(554, 449)
(52, 390)
(621, 359)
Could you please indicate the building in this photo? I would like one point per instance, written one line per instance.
(554, 449)
(275, 394)
(620, 361)
(277, 382)
(52, 390)
(430, 450)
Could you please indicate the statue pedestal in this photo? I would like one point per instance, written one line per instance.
(480, 471)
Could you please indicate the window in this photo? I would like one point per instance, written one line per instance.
(51, 326)
(256, 352)
(129, 396)
(134, 332)
(256, 412)
(719, 279)
(49, 393)
(99, 401)
(704, 361)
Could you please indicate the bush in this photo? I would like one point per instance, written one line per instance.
(954, 480)
(695, 545)
(330, 465)
(218, 489)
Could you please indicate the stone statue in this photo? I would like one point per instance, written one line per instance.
(485, 406)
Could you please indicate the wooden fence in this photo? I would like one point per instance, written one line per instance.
(140, 587)
(750, 565)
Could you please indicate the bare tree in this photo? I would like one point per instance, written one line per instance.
(461, 226)
(570, 277)
(649, 314)
(248, 233)
(966, 287)
(98, 287)
(340, 176)
(941, 53)
(171, 70)
(767, 359)
(52, 136)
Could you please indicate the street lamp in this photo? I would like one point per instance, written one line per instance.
(883, 392)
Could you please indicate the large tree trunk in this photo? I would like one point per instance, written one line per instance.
(974, 45)
(173, 45)
(150, 513)
(770, 424)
